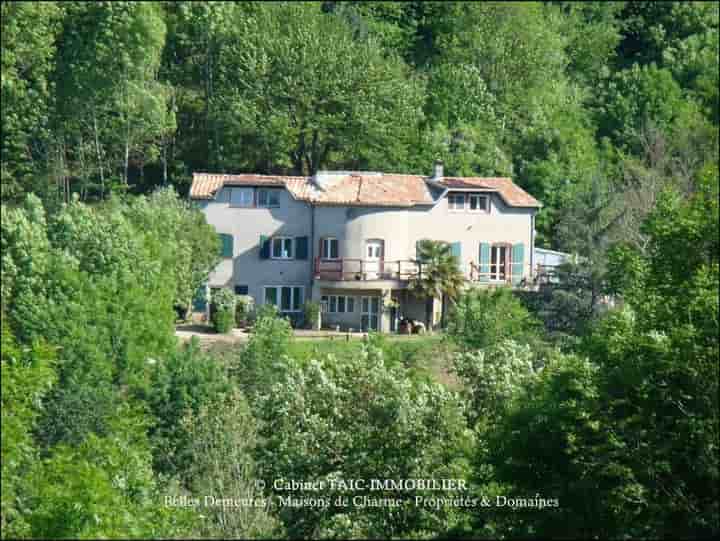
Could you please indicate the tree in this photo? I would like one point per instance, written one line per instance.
(439, 276)
(484, 318)
(29, 31)
(297, 91)
(27, 375)
(360, 419)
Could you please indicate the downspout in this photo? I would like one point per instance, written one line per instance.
(532, 246)
(312, 248)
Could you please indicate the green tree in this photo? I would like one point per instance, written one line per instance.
(484, 318)
(360, 419)
(297, 91)
(439, 276)
(29, 31)
(27, 375)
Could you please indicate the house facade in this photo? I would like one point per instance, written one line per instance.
(348, 239)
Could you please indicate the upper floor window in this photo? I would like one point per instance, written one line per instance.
(241, 197)
(282, 247)
(268, 197)
(456, 201)
(479, 203)
(329, 248)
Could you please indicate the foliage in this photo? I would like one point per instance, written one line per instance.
(181, 384)
(439, 275)
(360, 419)
(222, 310)
(311, 314)
(494, 377)
(103, 487)
(244, 306)
(483, 318)
(221, 439)
(264, 359)
(27, 374)
(193, 251)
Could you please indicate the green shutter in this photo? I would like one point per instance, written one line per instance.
(264, 247)
(484, 262)
(517, 263)
(456, 250)
(226, 249)
(301, 247)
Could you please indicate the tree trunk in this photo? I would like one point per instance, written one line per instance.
(99, 158)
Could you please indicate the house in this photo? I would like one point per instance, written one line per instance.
(348, 239)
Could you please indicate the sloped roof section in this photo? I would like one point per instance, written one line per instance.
(511, 193)
(364, 189)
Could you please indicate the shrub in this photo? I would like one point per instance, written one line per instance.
(244, 305)
(223, 310)
(482, 318)
(311, 314)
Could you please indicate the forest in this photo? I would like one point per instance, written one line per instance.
(569, 420)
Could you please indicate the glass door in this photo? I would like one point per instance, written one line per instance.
(370, 318)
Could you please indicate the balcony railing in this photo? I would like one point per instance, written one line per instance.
(347, 269)
(364, 269)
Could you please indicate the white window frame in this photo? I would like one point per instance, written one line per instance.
(498, 275)
(326, 248)
(485, 209)
(268, 192)
(243, 190)
(332, 304)
(452, 202)
(283, 245)
(295, 304)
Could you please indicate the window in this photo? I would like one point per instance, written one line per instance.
(456, 201)
(282, 248)
(479, 203)
(498, 262)
(338, 304)
(287, 298)
(330, 248)
(268, 197)
(241, 197)
(241, 290)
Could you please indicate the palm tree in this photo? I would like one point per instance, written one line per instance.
(439, 276)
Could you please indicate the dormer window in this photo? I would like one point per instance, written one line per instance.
(241, 197)
(479, 203)
(456, 201)
(268, 198)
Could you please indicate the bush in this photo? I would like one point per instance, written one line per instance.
(244, 305)
(223, 310)
(482, 318)
(311, 314)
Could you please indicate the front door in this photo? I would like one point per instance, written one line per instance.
(499, 262)
(373, 259)
(370, 314)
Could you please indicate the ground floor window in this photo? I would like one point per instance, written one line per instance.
(286, 298)
(337, 304)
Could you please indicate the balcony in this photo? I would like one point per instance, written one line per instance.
(347, 269)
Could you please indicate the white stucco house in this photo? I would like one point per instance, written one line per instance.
(348, 239)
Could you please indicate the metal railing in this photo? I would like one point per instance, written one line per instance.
(363, 269)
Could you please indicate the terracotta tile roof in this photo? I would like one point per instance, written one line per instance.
(363, 189)
(511, 193)
(204, 185)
